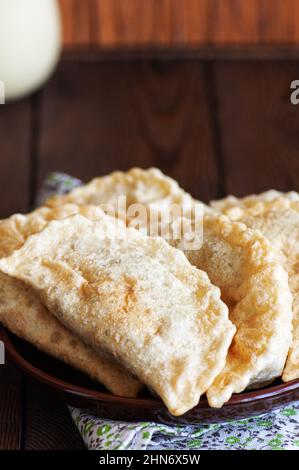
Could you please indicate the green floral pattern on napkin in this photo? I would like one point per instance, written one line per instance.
(274, 431)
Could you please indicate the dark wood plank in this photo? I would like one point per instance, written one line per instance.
(15, 148)
(11, 403)
(48, 423)
(259, 126)
(206, 53)
(15, 152)
(99, 117)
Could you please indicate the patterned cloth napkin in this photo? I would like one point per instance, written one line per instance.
(278, 430)
(274, 431)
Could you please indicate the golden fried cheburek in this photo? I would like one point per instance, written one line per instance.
(278, 219)
(138, 186)
(22, 312)
(229, 202)
(255, 287)
(121, 194)
(133, 297)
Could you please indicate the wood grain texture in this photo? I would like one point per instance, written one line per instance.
(234, 21)
(11, 405)
(15, 138)
(278, 21)
(177, 23)
(108, 116)
(48, 422)
(77, 18)
(259, 126)
(127, 22)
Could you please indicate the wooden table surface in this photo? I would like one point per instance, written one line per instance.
(31, 418)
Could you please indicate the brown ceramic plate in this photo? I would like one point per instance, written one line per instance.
(77, 390)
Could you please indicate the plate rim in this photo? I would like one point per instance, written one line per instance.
(153, 403)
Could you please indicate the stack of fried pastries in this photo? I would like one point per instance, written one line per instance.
(84, 284)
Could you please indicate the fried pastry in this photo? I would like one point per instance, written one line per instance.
(255, 287)
(135, 195)
(278, 219)
(134, 298)
(22, 312)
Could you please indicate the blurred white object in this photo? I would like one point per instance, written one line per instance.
(30, 44)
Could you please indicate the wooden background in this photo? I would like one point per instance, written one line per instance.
(172, 23)
(217, 126)
(201, 91)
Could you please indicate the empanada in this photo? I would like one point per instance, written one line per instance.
(278, 219)
(121, 194)
(22, 312)
(229, 202)
(232, 258)
(255, 288)
(135, 298)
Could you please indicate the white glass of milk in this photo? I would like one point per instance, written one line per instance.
(30, 44)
